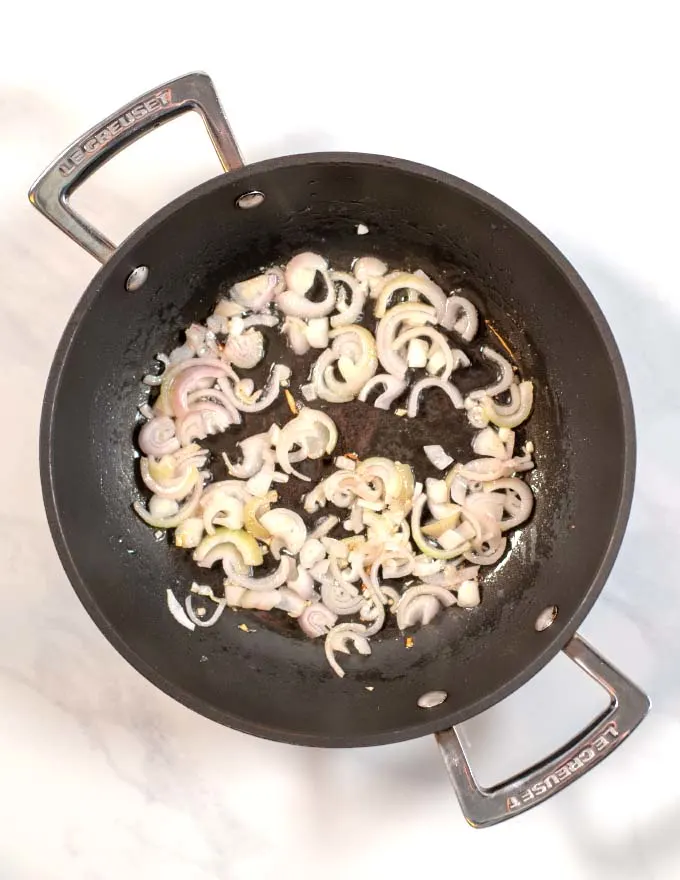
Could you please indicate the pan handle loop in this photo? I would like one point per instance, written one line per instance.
(50, 193)
(487, 806)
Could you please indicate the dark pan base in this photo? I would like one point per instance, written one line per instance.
(274, 682)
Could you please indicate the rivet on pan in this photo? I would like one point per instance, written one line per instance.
(432, 699)
(137, 278)
(250, 200)
(546, 618)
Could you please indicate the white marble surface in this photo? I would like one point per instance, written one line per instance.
(566, 111)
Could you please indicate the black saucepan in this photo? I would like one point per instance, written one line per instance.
(274, 682)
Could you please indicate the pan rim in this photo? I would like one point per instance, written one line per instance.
(554, 641)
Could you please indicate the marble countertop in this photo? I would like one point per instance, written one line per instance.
(564, 111)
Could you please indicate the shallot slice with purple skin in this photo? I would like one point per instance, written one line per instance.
(313, 431)
(204, 621)
(481, 470)
(386, 331)
(256, 453)
(478, 527)
(353, 353)
(301, 271)
(246, 350)
(368, 267)
(448, 388)
(188, 509)
(505, 379)
(163, 404)
(488, 556)
(298, 306)
(348, 313)
(221, 508)
(189, 381)
(460, 315)
(516, 412)
(286, 525)
(175, 608)
(214, 394)
(338, 639)
(269, 582)
(430, 291)
(202, 420)
(375, 595)
(421, 610)
(342, 598)
(316, 620)
(256, 293)
(523, 497)
(279, 375)
(436, 339)
(393, 388)
(157, 437)
(166, 478)
(416, 606)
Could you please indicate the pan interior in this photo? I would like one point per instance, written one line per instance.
(272, 681)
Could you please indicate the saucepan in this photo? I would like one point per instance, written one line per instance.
(273, 682)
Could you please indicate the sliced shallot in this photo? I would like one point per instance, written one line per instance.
(177, 611)
(448, 388)
(460, 315)
(316, 620)
(279, 375)
(393, 387)
(430, 291)
(437, 457)
(339, 638)
(358, 571)
(157, 437)
(416, 605)
(259, 584)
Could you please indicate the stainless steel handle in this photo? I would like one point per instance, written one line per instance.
(487, 806)
(50, 193)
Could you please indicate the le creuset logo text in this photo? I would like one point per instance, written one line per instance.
(93, 143)
(570, 768)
